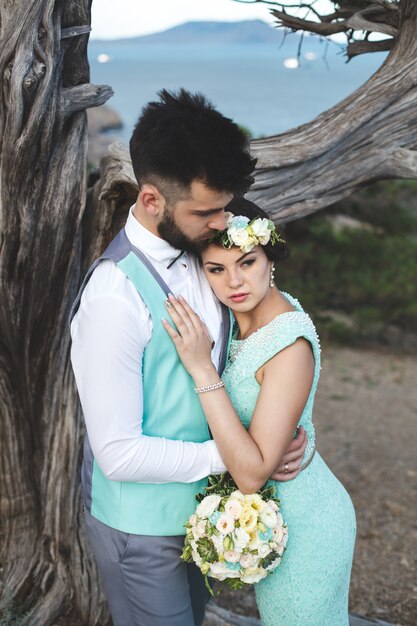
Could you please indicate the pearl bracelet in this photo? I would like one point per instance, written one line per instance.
(209, 387)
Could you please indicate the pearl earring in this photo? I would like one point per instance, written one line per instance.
(271, 276)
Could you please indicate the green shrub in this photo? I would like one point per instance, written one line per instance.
(369, 272)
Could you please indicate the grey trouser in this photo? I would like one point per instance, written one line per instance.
(144, 579)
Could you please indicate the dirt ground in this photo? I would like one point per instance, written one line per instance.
(366, 426)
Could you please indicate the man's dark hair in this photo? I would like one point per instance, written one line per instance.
(182, 138)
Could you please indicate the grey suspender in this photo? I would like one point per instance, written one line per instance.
(116, 251)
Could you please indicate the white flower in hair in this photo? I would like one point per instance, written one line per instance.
(246, 234)
(240, 237)
(262, 230)
(229, 217)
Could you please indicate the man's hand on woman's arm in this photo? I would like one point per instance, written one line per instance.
(292, 458)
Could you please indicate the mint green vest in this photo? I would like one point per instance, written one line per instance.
(171, 410)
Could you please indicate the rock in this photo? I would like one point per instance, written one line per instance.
(341, 222)
(338, 316)
(100, 121)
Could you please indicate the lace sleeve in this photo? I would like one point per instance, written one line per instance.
(281, 333)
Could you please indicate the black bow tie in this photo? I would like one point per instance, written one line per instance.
(171, 263)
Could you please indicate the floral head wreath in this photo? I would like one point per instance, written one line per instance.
(246, 234)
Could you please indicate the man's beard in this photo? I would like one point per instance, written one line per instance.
(170, 231)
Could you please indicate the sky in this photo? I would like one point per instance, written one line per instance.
(129, 18)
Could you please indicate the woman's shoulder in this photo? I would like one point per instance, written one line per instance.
(281, 332)
(293, 302)
(295, 320)
(284, 330)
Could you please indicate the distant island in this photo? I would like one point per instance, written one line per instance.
(244, 32)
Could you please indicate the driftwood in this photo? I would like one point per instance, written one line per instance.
(369, 136)
(45, 90)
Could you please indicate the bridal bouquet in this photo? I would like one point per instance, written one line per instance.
(234, 537)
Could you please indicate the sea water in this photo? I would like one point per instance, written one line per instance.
(249, 83)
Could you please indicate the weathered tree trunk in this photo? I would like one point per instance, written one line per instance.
(44, 93)
(369, 136)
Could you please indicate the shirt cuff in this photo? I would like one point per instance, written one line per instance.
(217, 465)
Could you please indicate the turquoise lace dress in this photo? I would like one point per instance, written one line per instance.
(311, 585)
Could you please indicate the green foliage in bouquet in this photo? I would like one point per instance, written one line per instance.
(224, 485)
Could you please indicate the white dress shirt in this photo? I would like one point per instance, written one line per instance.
(110, 331)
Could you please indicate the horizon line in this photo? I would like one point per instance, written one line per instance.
(158, 32)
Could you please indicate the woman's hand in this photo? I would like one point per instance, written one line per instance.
(192, 341)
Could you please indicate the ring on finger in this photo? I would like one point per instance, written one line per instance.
(286, 470)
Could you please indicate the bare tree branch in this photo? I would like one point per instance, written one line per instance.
(356, 48)
(82, 97)
(352, 19)
(358, 22)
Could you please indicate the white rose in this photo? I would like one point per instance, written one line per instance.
(229, 218)
(249, 560)
(225, 524)
(232, 556)
(217, 541)
(278, 534)
(193, 519)
(200, 530)
(220, 571)
(274, 507)
(233, 508)
(268, 517)
(240, 237)
(208, 506)
(263, 239)
(264, 550)
(253, 575)
(237, 495)
(260, 227)
(240, 538)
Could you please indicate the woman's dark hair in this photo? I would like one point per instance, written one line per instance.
(183, 138)
(241, 206)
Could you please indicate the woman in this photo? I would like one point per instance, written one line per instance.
(266, 391)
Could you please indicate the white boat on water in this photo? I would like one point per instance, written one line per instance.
(291, 63)
(103, 58)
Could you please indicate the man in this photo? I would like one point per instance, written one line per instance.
(148, 449)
